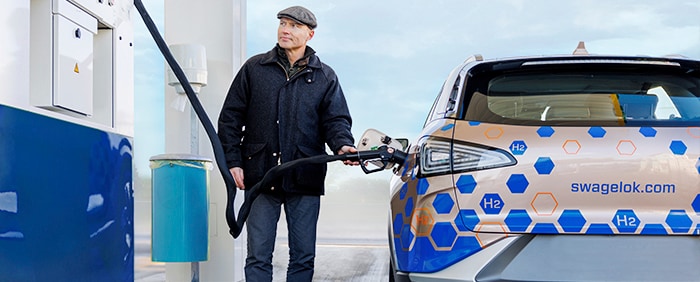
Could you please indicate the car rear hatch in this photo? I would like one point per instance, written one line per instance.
(601, 146)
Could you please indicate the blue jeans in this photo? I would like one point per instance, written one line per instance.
(302, 218)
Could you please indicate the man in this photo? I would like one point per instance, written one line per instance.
(284, 105)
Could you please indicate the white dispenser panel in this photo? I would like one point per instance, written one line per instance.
(73, 57)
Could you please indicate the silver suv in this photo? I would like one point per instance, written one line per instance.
(556, 168)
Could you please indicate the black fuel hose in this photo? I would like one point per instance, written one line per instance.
(235, 228)
(383, 154)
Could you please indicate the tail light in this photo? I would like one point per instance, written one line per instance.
(443, 156)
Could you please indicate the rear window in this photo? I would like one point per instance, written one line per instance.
(587, 98)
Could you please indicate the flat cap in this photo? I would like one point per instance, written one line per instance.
(299, 14)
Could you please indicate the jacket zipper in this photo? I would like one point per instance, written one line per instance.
(286, 74)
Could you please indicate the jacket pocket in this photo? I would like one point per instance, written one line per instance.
(254, 162)
(309, 176)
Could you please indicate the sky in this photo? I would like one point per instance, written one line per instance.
(392, 56)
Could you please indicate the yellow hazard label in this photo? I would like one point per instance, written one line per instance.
(76, 69)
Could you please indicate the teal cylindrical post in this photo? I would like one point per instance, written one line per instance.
(180, 208)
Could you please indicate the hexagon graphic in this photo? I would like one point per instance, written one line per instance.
(406, 236)
(679, 221)
(571, 221)
(694, 132)
(468, 218)
(596, 132)
(491, 227)
(626, 147)
(544, 203)
(424, 249)
(571, 147)
(518, 147)
(474, 123)
(447, 127)
(423, 221)
(544, 228)
(544, 165)
(494, 132)
(697, 165)
(408, 208)
(398, 223)
(443, 203)
(491, 203)
(678, 147)
(653, 229)
(518, 220)
(422, 186)
(517, 183)
(545, 131)
(647, 131)
(467, 244)
(599, 228)
(443, 234)
(466, 184)
(403, 191)
(696, 204)
(626, 221)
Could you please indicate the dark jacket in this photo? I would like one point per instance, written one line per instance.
(268, 117)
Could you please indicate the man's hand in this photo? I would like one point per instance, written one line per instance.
(237, 174)
(348, 150)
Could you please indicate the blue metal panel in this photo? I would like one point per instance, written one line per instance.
(66, 201)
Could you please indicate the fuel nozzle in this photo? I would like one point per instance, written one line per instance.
(377, 159)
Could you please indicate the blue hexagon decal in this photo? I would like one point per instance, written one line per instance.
(424, 250)
(406, 236)
(678, 147)
(447, 127)
(468, 218)
(491, 203)
(596, 132)
(465, 246)
(422, 186)
(626, 221)
(398, 223)
(544, 228)
(696, 204)
(443, 203)
(466, 184)
(697, 165)
(544, 165)
(545, 131)
(648, 131)
(571, 221)
(518, 147)
(517, 183)
(443, 234)
(403, 191)
(654, 229)
(408, 208)
(599, 228)
(474, 123)
(679, 221)
(518, 220)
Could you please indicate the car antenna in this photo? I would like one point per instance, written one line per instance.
(581, 49)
